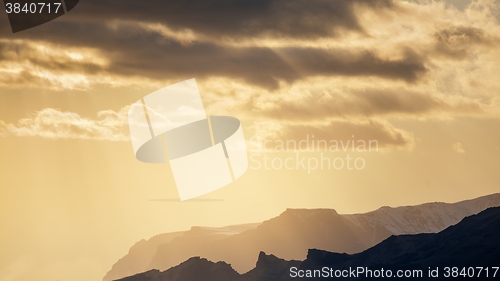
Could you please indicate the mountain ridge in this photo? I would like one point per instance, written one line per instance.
(472, 242)
(294, 231)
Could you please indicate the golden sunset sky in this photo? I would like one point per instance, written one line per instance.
(420, 77)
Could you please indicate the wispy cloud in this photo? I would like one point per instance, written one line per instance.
(382, 132)
(112, 125)
(51, 123)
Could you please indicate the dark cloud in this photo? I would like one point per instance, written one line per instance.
(349, 63)
(133, 51)
(457, 41)
(260, 65)
(237, 19)
(231, 18)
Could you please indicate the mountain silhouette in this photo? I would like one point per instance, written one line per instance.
(193, 269)
(474, 242)
(292, 233)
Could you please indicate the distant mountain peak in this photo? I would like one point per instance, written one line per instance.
(265, 258)
(308, 211)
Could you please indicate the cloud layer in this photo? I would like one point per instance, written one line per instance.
(317, 65)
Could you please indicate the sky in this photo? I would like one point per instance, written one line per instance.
(418, 77)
